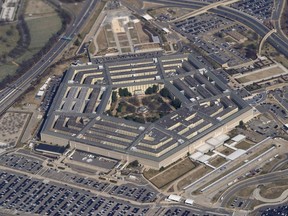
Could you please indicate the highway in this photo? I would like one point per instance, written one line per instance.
(10, 94)
(278, 42)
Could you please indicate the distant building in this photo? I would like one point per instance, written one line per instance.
(8, 10)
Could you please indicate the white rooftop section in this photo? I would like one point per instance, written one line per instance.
(205, 148)
(217, 141)
(223, 137)
(204, 158)
(214, 142)
(166, 30)
(40, 93)
(238, 138)
(189, 201)
(147, 17)
(175, 198)
(196, 155)
(236, 154)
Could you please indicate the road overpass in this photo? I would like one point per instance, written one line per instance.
(9, 95)
(264, 39)
(204, 9)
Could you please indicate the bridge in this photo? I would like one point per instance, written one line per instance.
(264, 39)
(204, 9)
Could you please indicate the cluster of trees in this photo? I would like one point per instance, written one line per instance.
(152, 90)
(114, 97)
(164, 92)
(133, 164)
(24, 41)
(176, 103)
(124, 92)
(251, 51)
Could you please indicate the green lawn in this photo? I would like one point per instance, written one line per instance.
(9, 36)
(41, 29)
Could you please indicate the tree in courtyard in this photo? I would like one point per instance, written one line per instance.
(114, 96)
(176, 103)
(164, 92)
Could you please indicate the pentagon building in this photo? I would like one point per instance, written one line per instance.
(208, 109)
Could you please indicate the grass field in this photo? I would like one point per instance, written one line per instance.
(9, 36)
(41, 29)
(173, 173)
(6, 69)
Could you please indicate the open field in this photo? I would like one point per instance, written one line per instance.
(7, 69)
(9, 36)
(246, 192)
(274, 190)
(41, 29)
(261, 74)
(38, 8)
(173, 173)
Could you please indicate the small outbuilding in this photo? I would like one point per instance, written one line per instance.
(189, 202)
(175, 198)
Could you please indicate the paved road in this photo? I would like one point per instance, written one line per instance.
(270, 177)
(279, 43)
(9, 95)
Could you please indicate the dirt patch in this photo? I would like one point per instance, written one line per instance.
(246, 192)
(272, 192)
(244, 145)
(195, 174)
(263, 74)
(217, 161)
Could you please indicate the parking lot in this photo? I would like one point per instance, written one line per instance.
(181, 211)
(130, 191)
(76, 179)
(274, 108)
(25, 194)
(261, 9)
(207, 32)
(144, 194)
(20, 162)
